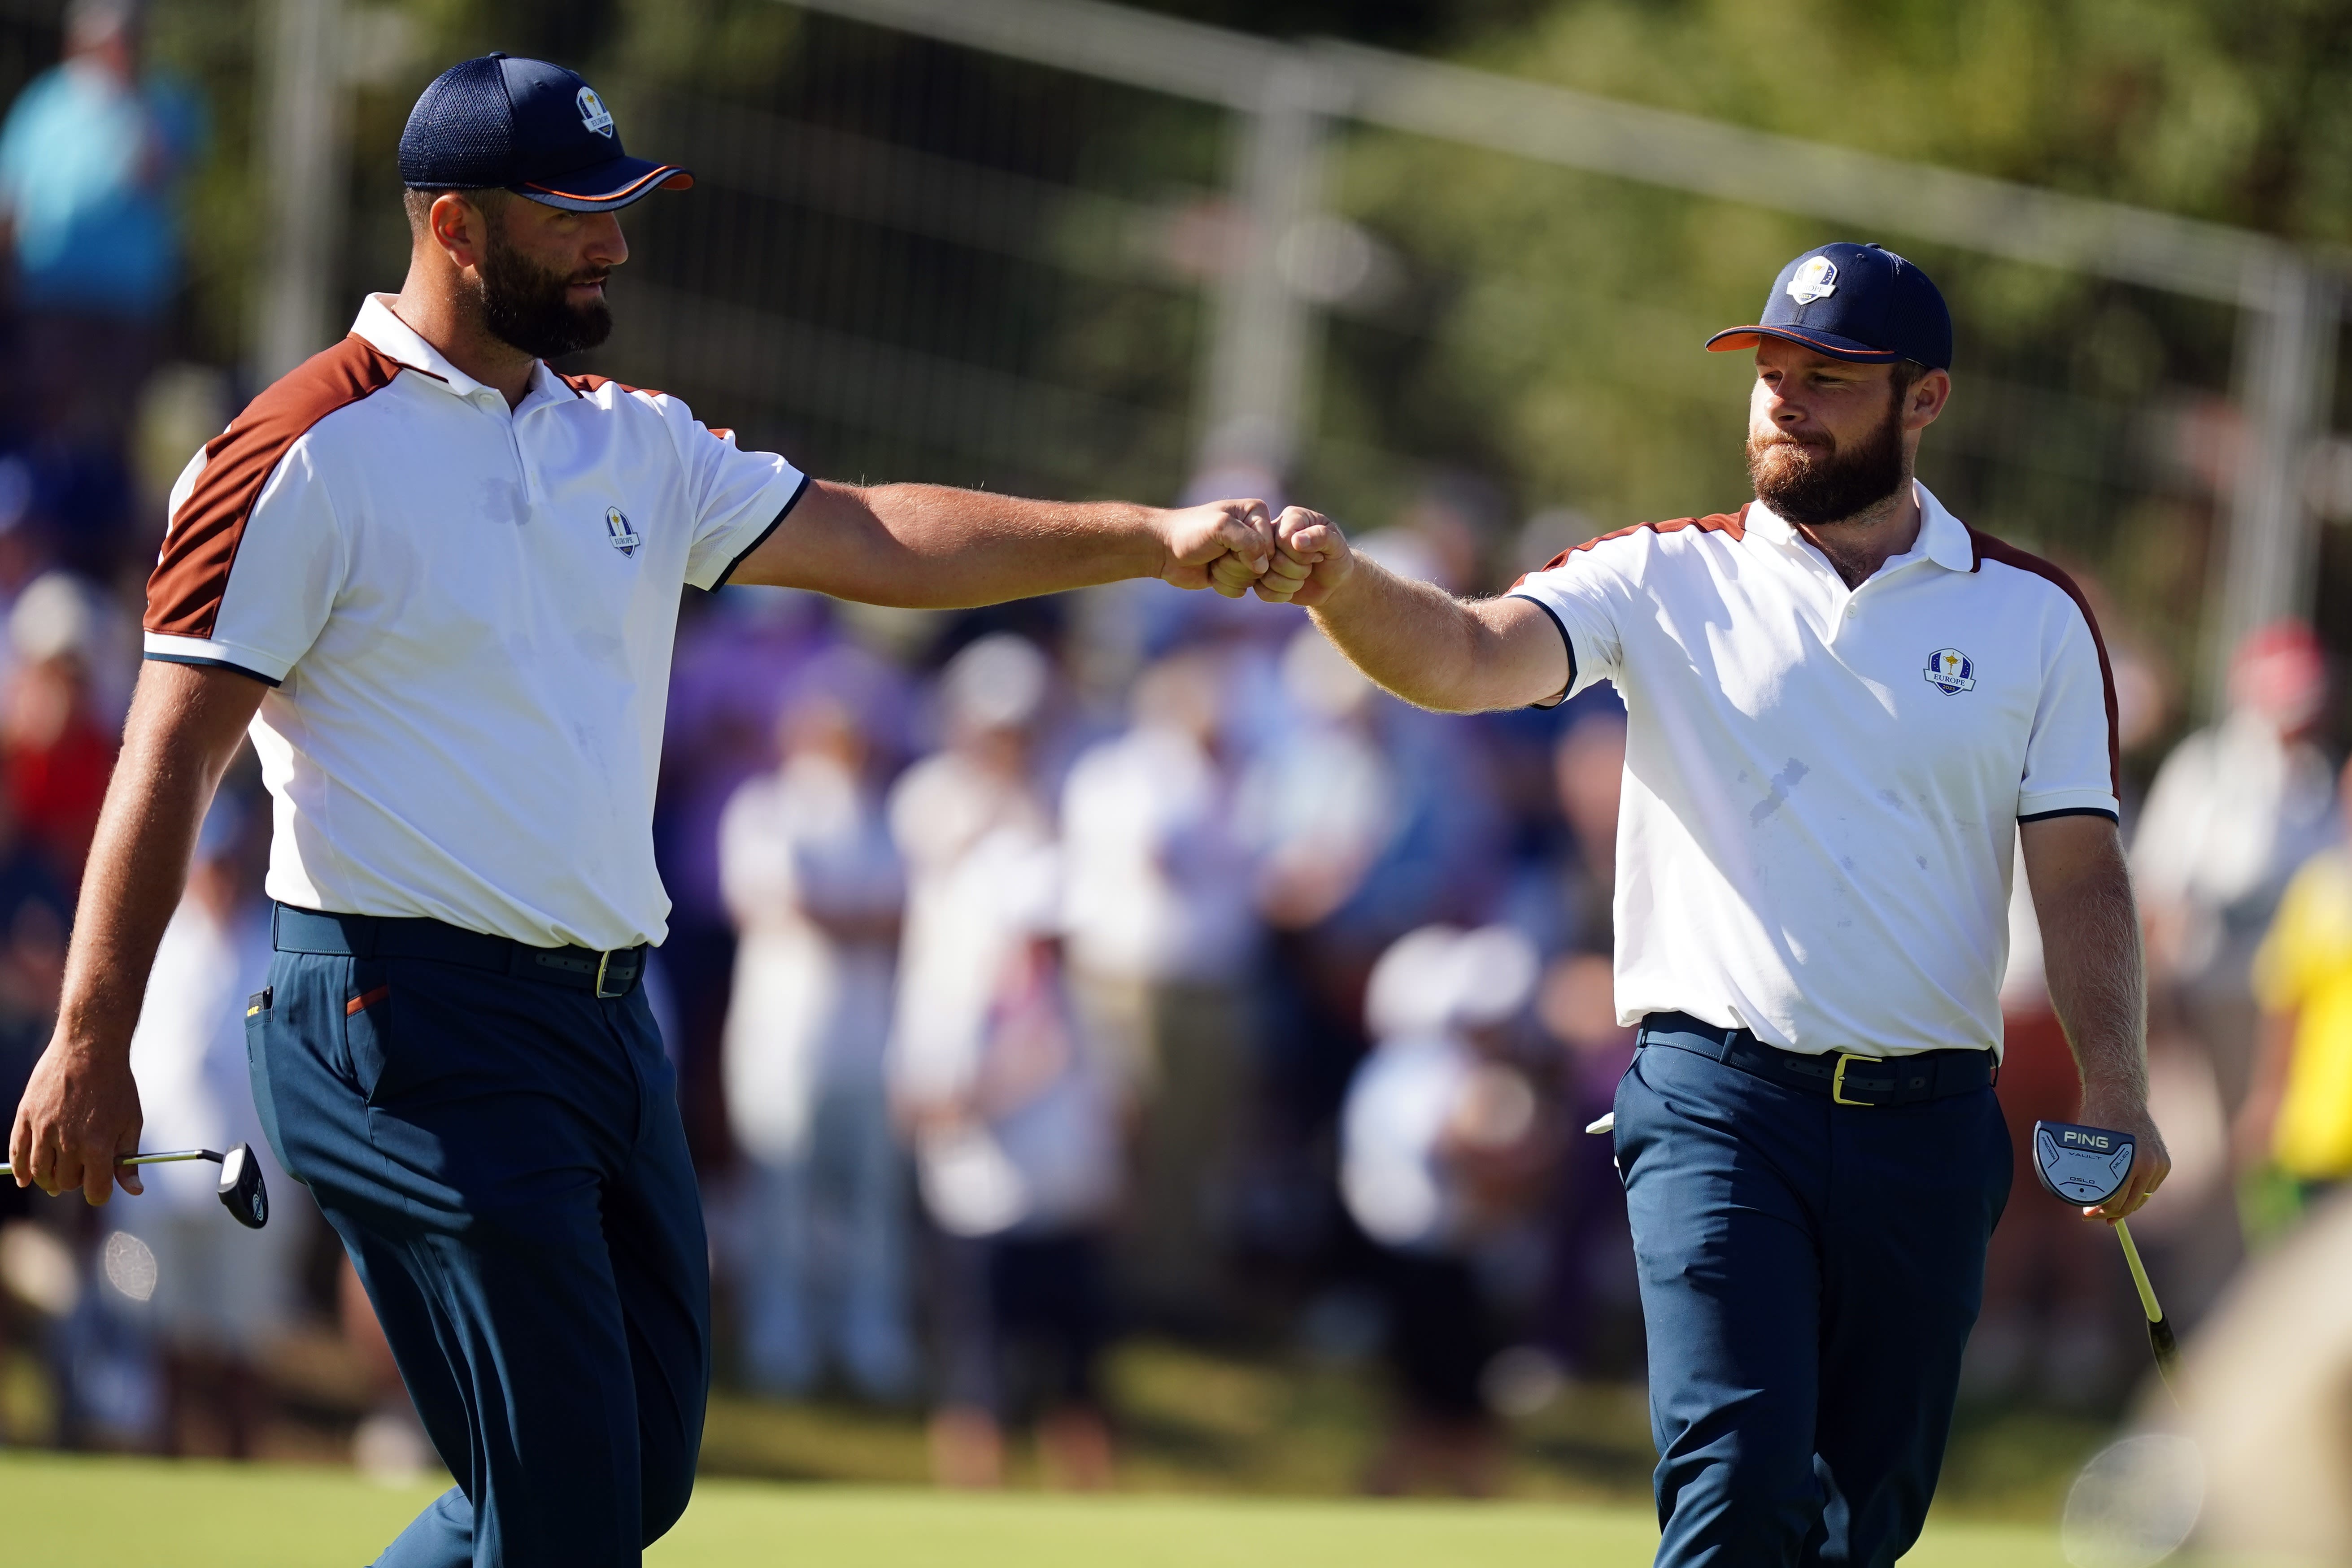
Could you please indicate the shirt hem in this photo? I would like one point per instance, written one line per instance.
(205, 662)
(2110, 814)
(774, 524)
(1565, 641)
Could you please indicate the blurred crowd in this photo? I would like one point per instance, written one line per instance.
(1114, 964)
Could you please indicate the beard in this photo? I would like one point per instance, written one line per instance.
(523, 303)
(1814, 483)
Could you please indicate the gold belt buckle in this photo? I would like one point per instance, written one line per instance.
(1837, 1080)
(605, 958)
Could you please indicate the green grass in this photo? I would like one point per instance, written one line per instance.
(134, 1513)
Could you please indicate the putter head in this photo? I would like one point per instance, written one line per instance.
(241, 1190)
(2084, 1166)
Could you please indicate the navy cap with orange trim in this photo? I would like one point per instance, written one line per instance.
(1849, 302)
(529, 127)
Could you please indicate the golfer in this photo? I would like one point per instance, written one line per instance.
(437, 582)
(1846, 709)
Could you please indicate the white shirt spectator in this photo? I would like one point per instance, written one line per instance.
(808, 1008)
(1159, 880)
(959, 827)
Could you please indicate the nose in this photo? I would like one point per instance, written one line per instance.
(606, 246)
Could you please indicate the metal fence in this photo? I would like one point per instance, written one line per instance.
(1062, 246)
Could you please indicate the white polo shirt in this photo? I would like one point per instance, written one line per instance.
(466, 616)
(1822, 785)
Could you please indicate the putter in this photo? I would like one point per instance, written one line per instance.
(241, 1190)
(2085, 1166)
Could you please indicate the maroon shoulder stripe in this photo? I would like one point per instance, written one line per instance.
(1734, 524)
(581, 385)
(183, 595)
(1986, 548)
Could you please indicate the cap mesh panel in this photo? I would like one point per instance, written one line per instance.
(461, 132)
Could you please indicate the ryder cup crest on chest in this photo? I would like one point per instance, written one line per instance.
(618, 533)
(1951, 671)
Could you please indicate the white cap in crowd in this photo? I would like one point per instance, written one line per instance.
(1442, 977)
(997, 683)
(56, 614)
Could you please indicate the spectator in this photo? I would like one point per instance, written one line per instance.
(1593, 1312)
(2298, 1116)
(1162, 940)
(89, 158)
(1440, 1144)
(814, 884)
(735, 661)
(2234, 810)
(55, 754)
(956, 817)
(1021, 1157)
(220, 1301)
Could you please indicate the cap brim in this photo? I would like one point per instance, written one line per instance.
(600, 187)
(1732, 339)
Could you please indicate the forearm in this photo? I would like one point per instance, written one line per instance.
(171, 762)
(1415, 639)
(2091, 945)
(934, 547)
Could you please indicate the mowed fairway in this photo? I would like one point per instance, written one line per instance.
(131, 1513)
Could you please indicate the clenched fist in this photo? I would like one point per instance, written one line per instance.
(1225, 545)
(1311, 559)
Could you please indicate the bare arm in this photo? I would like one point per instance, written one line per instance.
(2090, 939)
(82, 1107)
(932, 547)
(1461, 656)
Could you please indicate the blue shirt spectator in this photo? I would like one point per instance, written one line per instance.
(88, 158)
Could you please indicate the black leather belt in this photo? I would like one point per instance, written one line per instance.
(609, 976)
(1845, 1077)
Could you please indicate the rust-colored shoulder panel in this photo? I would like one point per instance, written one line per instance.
(1986, 548)
(183, 595)
(1734, 524)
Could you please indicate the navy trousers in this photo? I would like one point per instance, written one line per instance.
(1809, 1273)
(503, 1160)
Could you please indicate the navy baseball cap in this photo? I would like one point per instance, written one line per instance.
(529, 127)
(1860, 302)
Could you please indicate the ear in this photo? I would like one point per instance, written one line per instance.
(459, 228)
(1925, 400)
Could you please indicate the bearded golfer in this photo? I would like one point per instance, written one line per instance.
(437, 582)
(1846, 709)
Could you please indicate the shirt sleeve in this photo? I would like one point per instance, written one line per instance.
(738, 499)
(247, 574)
(2070, 758)
(1584, 592)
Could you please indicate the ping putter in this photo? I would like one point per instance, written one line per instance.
(2085, 1166)
(241, 1189)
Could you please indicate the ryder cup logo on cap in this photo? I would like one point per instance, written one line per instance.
(593, 113)
(1860, 302)
(1816, 278)
(501, 123)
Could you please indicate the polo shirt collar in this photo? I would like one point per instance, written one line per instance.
(381, 326)
(1943, 538)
